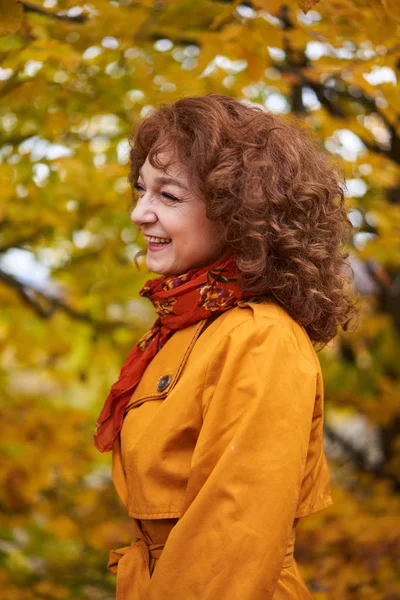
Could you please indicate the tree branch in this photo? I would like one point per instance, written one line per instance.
(322, 91)
(295, 65)
(45, 305)
(33, 8)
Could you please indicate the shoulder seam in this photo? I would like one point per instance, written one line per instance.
(275, 318)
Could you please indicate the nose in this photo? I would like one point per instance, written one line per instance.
(143, 212)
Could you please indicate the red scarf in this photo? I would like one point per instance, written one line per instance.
(179, 301)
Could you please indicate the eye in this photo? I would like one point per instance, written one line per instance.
(170, 197)
(139, 188)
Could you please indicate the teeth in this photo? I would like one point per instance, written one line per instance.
(157, 240)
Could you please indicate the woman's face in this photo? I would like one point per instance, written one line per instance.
(173, 221)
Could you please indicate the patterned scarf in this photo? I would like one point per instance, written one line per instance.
(179, 301)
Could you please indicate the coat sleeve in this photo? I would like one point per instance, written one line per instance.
(247, 469)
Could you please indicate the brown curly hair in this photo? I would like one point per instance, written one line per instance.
(275, 194)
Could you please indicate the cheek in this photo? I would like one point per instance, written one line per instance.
(207, 241)
(192, 231)
(172, 223)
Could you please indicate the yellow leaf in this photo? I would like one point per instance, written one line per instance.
(44, 50)
(392, 8)
(11, 14)
(224, 15)
(274, 6)
(307, 5)
(299, 39)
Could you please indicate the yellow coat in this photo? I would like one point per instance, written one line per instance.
(221, 452)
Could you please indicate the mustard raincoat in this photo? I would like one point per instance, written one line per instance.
(220, 454)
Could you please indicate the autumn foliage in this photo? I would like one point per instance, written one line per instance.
(74, 78)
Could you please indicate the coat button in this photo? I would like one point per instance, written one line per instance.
(163, 383)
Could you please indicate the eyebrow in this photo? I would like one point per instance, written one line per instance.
(165, 180)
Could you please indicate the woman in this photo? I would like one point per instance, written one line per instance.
(216, 420)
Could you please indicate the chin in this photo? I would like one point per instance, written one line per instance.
(168, 271)
(156, 268)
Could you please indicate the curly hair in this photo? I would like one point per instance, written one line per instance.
(276, 196)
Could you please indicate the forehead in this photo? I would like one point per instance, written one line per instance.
(165, 164)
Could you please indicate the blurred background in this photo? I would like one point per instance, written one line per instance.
(75, 77)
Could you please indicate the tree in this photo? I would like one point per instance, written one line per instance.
(74, 78)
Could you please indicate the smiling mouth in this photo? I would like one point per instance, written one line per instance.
(157, 241)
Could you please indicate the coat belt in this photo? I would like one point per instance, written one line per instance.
(131, 564)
